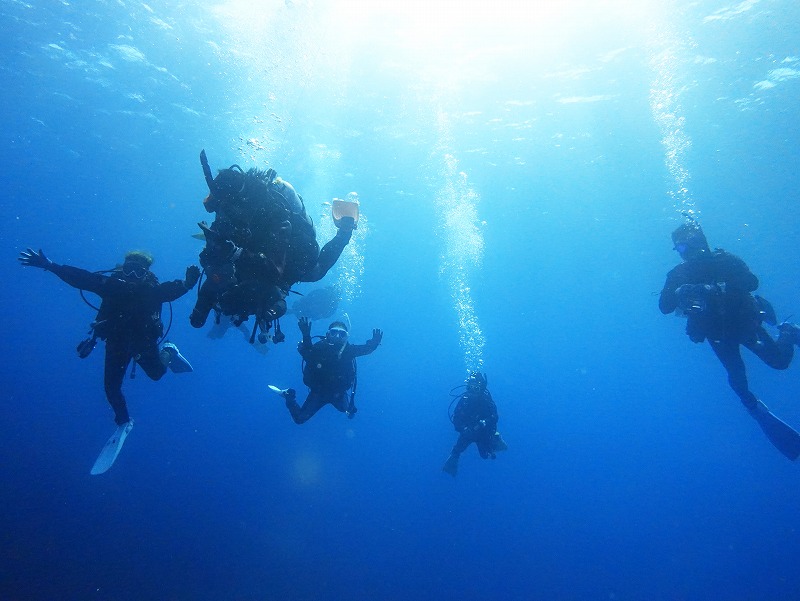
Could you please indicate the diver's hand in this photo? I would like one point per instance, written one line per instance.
(304, 323)
(347, 223)
(30, 258)
(192, 275)
(694, 298)
(377, 336)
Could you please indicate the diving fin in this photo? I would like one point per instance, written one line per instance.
(111, 449)
(498, 444)
(177, 363)
(288, 394)
(782, 436)
(451, 465)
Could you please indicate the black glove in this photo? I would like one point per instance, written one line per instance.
(30, 258)
(192, 275)
(377, 336)
(304, 323)
(347, 223)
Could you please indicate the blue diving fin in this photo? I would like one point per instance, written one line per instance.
(783, 437)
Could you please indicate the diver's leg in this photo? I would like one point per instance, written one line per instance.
(205, 301)
(485, 446)
(116, 363)
(731, 358)
(777, 354)
(340, 400)
(153, 362)
(464, 440)
(314, 402)
(451, 465)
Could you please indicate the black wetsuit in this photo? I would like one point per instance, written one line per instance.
(269, 223)
(329, 373)
(327, 258)
(729, 316)
(129, 321)
(473, 408)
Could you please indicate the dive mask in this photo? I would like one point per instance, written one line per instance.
(134, 270)
(337, 334)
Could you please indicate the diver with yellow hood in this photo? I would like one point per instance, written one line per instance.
(128, 319)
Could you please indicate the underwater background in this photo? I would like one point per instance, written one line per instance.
(520, 167)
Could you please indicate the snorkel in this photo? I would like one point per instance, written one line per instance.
(207, 171)
(224, 188)
(210, 203)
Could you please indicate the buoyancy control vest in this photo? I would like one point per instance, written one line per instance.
(128, 308)
(263, 214)
(326, 368)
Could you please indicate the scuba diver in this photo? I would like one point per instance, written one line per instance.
(329, 370)
(129, 318)
(713, 290)
(260, 244)
(475, 420)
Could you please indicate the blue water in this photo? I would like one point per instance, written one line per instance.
(520, 169)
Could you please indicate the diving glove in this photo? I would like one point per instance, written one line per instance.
(30, 258)
(345, 223)
(192, 275)
(304, 323)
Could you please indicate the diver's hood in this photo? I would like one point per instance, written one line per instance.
(691, 234)
(229, 182)
(477, 380)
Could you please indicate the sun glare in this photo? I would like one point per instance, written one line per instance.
(448, 36)
(441, 28)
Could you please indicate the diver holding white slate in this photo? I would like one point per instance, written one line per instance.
(329, 365)
(129, 321)
(713, 290)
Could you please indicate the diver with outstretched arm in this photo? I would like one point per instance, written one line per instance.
(129, 318)
(329, 370)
